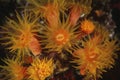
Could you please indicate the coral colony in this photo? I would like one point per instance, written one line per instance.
(57, 40)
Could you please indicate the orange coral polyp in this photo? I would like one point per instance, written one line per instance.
(21, 73)
(34, 46)
(51, 13)
(27, 39)
(61, 36)
(83, 70)
(87, 26)
(14, 69)
(40, 69)
(74, 14)
(23, 40)
(91, 57)
(91, 54)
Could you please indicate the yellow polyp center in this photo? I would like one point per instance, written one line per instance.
(60, 37)
(43, 73)
(24, 40)
(91, 55)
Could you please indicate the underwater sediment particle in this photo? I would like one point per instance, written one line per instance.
(19, 34)
(97, 54)
(40, 69)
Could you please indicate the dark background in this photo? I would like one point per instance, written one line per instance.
(9, 7)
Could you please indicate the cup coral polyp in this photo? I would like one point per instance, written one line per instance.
(97, 53)
(51, 13)
(50, 10)
(40, 69)
(59, 38)
(13, 69)
(34, 46)
(75, 13)
(18, 34)
(87, 26)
